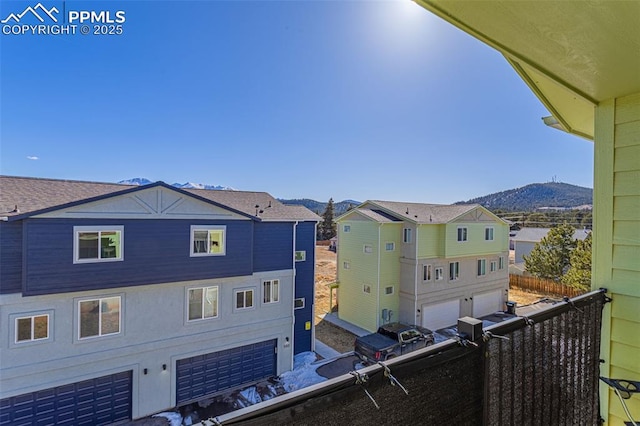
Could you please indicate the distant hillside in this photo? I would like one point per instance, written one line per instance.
(536, 196)
(319, 207)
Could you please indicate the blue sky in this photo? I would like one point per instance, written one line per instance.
(302, 99)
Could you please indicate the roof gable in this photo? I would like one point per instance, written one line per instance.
(149, 202)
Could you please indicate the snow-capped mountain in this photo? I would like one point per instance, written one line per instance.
(187, 185)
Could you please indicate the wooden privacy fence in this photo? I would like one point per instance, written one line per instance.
(540, 285)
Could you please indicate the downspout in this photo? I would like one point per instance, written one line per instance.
(293, 291)
(415, 281)
(378, 279)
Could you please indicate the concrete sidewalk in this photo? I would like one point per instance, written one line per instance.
(326, 352)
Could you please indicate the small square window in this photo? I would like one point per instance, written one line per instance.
(346, 228)
(203, 303)
(346, 265)
(99, 317)
(208, 240)
(298, 303)
(462, 234)
(301, 256)
(244, 299)
(366, 288)
(406, 235)
(439, 273)
(368, 249)
(32, 328)
(390, 246)
(388, 290)
(488, 234)
(271, 291)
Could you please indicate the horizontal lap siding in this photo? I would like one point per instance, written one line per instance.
(273, 246)
(155, 251)
(10, 257)
(305, 240)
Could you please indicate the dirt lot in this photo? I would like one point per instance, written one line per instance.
(340, 339)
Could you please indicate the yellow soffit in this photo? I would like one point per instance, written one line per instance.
(575, 113)
(574, 110)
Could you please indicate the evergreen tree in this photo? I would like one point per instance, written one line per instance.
(327, 228)
(579, 273)
(550, 257)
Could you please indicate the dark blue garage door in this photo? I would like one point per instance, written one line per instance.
(98, 401)
(204, 375)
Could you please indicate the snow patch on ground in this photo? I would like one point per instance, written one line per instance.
(303, 374)
(175, 419)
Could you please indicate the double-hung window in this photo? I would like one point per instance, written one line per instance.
(203, 303)
(99, 317)
(488, 233)
(462, 233)
(454, 271)
(270, 291)
(501, 262)
(426, 273)
(482, 267)
(208, 240)
(244, 299)
(98, 243)
(32, 328)
(493, 266)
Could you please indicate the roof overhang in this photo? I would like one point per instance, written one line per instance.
(572, 54)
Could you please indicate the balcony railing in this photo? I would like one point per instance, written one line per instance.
(538, 370)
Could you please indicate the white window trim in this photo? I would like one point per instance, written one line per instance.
(33, 339)
(299, 299)
(481, 267)
(393, 246)
(393, 290)
(501, 263)
(235, 299)
(99, 335)
(365, 287)
(493, 266)
(100, 228)
(346, 265)
(438, 271)
(429, 272)
(346, 228)
(367, 249)
(203, 318)
(303, 256)
(465, 234)
(492, 233)
(222, 228)
(406, 235)
(271, 301)
(457, 270)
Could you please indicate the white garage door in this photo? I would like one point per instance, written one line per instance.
(440, 315)
(487, 303)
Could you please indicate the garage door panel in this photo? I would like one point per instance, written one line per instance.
(487, 303)
(440, 315)
(207, 374)
(98, 401)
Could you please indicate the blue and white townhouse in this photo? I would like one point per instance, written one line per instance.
(121, 301)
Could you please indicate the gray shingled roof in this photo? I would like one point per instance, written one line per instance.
(20, 195)
(377, 215)
(35, 194)
(425, 213)
(537, 234)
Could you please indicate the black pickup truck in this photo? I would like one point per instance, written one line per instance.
(392, 340)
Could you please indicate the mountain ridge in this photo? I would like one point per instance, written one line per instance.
(536, 196)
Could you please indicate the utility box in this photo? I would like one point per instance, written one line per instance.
(511, 307)
(470, 328)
